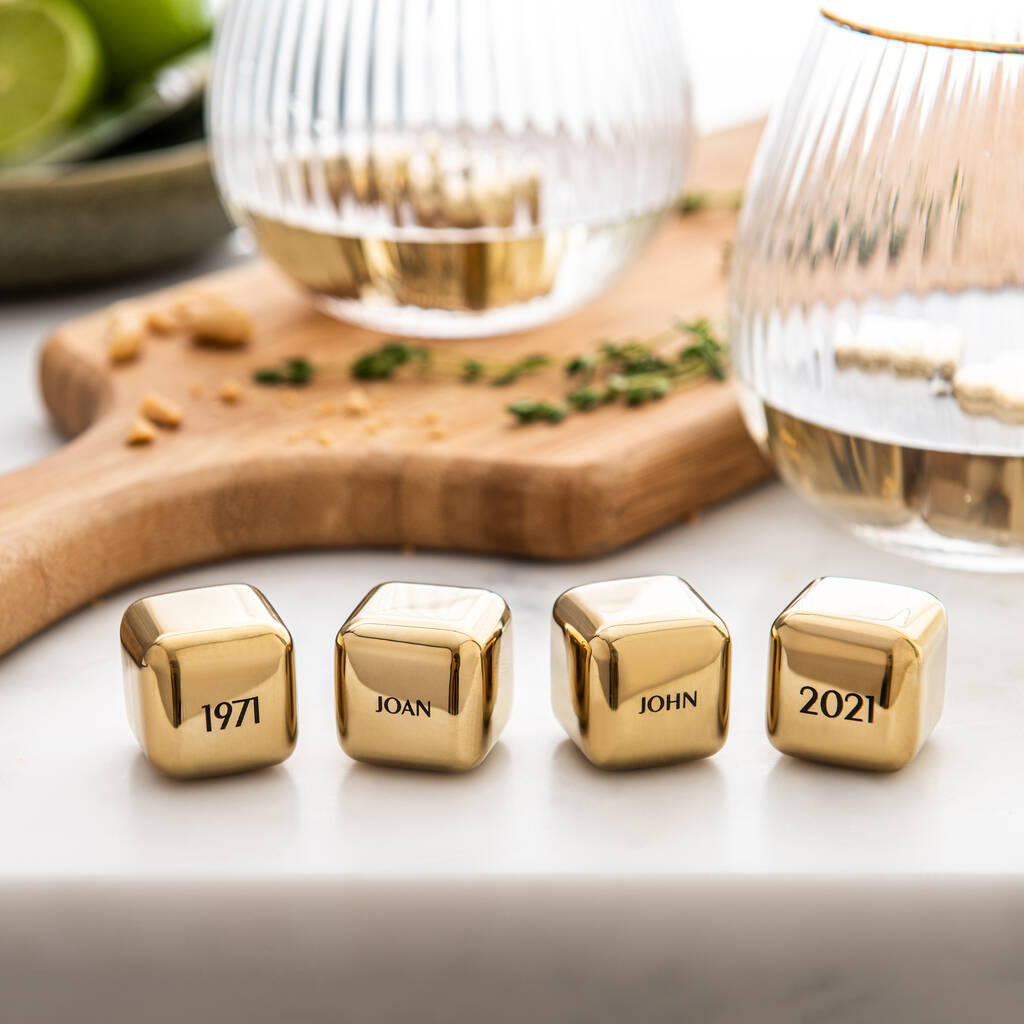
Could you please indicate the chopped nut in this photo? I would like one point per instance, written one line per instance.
(326, 409)
(230, 392)
(125, 334)
(162, 321)
(437, 433)
(325, 439)
(356, 403)
(211, 318)
(140, 432)
(161, 411)
(195, 389)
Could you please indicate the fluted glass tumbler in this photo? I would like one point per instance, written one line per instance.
(877, 294)
(455, 167)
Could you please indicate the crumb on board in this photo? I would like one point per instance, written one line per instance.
(372, 428)
(357, 403)
(437, 433)
(124, 337)
(230, 392)
(385, 419)
(162, 320)
(294, 437)
(213, 319)
(140, 432)
(161, 411)
(432, 418)
(289, 401)
(326, 409)
(325, 438)
(195, 389)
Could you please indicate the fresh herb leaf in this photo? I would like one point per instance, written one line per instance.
(632, 371)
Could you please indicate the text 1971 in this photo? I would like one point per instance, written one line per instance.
(224, 711)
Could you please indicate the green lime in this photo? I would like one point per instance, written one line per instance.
(51, 68)
(139, 37)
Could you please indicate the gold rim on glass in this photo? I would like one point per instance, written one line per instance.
(924, 40)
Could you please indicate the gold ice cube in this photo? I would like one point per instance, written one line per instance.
(209, 681)
(857, 673)
(424, 676)
(640, 672)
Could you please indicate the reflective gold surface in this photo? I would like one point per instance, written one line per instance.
(640, 672)
(424, 676)
(209, 681)
(857, 673)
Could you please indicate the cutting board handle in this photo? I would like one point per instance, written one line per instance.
(65, 524)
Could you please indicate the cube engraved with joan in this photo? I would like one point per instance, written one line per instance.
(857, 673)
(640, 672)
(209, 681)
(424, 676)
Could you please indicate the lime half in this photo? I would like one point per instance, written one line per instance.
(51, 68)
(140, 35)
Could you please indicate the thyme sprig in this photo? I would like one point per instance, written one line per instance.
(630, 371)
(633, 371)
(385, 362)
(710, 199)
(291, 371)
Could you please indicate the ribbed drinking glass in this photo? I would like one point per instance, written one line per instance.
(450, 167)
(877, 300)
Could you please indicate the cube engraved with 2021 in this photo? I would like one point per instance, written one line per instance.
(640, 672)
(209, 681)
(424, 676)
(857, 673)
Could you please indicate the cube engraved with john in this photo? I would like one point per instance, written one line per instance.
(857, 673)
(209, 681)
(640, 672)
(424, 676)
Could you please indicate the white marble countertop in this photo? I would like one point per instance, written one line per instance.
(535, 807)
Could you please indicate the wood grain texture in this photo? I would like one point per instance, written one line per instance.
(97, 515)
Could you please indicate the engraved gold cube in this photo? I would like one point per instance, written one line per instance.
(424, 676)
(209, 681)
(857, 673)
(640, 672)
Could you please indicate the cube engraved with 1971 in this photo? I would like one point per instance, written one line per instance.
(209, 681)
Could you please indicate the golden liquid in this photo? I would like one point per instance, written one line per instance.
(466, 276)
(427, 233)
(961, 495)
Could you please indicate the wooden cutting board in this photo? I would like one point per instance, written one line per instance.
(232, 480)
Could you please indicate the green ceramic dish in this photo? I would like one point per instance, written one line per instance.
(105, 219)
